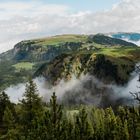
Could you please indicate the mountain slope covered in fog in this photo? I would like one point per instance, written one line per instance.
(109, 65)
(70, 54)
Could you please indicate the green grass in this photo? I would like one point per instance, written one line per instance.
(61, 39)
(132, 53)
(129, 52)
(24, 65)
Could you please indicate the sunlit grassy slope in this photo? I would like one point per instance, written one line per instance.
(60, 39)
(24, 65)
(30, 56)
(128, 52)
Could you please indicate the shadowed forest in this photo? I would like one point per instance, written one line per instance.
(32, 119)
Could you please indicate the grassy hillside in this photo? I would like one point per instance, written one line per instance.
(55, 40)
(72, 51)
(47, 49)
(129, 52)
(113, 64)
(24, 65)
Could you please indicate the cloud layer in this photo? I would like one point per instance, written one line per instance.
(26, 20)
(86, 90)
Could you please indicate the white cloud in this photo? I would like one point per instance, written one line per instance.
(25, 20)
(29, 9)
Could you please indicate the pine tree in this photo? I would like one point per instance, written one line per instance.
(8, 118)
(111, 124)
(82, 129)
(31, 111)
(53, 119)
(4, 101)
(9, 125)
(125, 130)
(4, 104)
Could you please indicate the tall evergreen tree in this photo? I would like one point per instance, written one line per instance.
(82, 129)
(31, 111)
(8, 118)
(53, 119)
(5, 105)
(4, 101)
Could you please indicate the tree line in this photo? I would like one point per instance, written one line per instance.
(32, 119)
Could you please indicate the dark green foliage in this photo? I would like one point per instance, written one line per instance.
(105, 68)
(82, 128)
(31, 111)
(21, 55)
(53, 120)
(34, 120)
(8, 75)
(105, 40)
(4, 102)
(7, 114)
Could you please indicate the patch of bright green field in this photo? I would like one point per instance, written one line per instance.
(129, 52)
(24, 65)
(61, 39)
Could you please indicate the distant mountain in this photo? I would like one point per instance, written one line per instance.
(132, 37)
(33, 57)
(105, 40)
(46, 49)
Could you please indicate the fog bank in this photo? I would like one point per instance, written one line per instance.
(85, 90)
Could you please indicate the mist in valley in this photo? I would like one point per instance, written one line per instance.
(84, 90)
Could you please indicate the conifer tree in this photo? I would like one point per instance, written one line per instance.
(8, 118)
(82, 129)
(9, 125)
(5, 105)
(54, 119)
(111, 124)
(31, 111)
(4, 102)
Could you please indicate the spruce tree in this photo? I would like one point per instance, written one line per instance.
(4, 101)
(8, 118)
(82, 129)
(9, 125)
(53, 119)
(31, 111)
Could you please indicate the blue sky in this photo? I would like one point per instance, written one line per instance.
(88, 5)
(76, 5)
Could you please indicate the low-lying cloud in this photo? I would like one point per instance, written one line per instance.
(85, 90)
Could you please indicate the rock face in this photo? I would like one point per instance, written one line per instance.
(31, 51)
(103, 67)
(57, 57)
(48, 48)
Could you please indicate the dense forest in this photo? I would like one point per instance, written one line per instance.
(32, 119)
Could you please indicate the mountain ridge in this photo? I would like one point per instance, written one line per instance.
(27, 57)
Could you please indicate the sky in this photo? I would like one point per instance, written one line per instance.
(28, 19)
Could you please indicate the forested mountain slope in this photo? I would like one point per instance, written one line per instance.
(76, 52)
